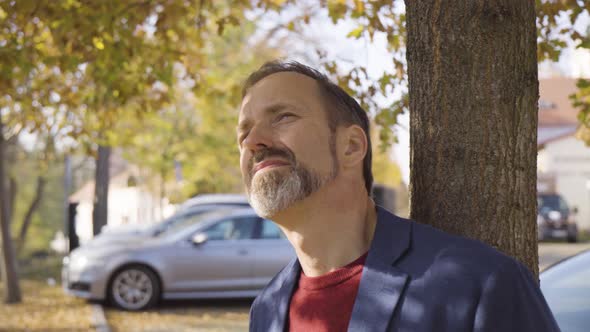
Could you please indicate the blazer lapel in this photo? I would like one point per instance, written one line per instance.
(382, 284)
(273, 316)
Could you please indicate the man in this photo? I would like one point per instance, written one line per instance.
(305, 156)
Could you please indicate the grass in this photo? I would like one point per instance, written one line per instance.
(45, 307)
(181, 316)
(584, 236)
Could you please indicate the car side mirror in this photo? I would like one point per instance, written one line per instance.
(575, 210)
(199, 238)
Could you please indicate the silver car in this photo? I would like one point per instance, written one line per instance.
(199, 203)
(222, 254)
(566, 287)
(183, 217)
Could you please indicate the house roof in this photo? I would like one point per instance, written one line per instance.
(547, 134)
(555, 107)
(118, 169)
(86, 192)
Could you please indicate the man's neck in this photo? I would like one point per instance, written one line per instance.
(329, 231)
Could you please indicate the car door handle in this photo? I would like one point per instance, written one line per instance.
(242, 252)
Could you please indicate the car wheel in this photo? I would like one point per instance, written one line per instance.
(572, 238)
(134, 288)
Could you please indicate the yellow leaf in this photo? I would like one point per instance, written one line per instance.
(357, 32)
(278, 2)
(172, 35)
(2, 14)
(98, 43)
(359, 6)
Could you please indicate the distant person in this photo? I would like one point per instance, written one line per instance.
(305, 155)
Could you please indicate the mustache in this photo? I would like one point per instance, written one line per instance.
(266, 153)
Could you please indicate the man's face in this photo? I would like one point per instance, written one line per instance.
(287, 151)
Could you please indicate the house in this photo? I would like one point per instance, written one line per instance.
(130, 202)
(563, 161)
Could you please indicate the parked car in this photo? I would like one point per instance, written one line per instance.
(555, 220)
(229, 253)
(183, 217)
(217, 199)
(187, 210)
(566, 287)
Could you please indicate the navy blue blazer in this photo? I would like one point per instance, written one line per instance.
(417, 278)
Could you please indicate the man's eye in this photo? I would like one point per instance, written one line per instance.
(284, 116)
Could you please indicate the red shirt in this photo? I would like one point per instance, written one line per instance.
(324, 303)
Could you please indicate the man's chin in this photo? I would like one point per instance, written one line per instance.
(263, 210)
(269, 208)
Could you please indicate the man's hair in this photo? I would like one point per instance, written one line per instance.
(341, 108)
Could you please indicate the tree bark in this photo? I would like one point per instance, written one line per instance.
(473, 88)
(12, 293)
(41, 181)
(12, 191)
(101, 189)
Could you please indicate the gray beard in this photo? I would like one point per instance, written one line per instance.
(277, 190)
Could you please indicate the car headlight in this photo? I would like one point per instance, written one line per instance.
(84, 263)
(554, 215)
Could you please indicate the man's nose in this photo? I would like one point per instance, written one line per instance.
(258, 138)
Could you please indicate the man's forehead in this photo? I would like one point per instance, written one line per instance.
(282, 86)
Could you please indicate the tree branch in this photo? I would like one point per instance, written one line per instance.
(41, 181)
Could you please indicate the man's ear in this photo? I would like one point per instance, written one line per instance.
(355, 145)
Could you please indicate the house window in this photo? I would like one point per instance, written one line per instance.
(546, 105)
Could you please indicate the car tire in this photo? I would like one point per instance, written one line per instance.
(134, 288)
(572, 238)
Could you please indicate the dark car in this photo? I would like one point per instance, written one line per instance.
(555, 220)
(566, 287)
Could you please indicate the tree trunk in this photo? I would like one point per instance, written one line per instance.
(101, 189)
(12, 191)
(12, 292)
(41, 181)
(11, 147)
(473, 91)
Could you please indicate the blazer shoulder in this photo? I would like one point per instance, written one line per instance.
(478, 257)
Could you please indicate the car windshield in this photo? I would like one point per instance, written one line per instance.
(552, 203)
(180, 222)
(566, 287)
(189, 220)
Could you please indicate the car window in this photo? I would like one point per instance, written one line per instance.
(271, 231)
(231, 229)
(566, 288)
(552, 202)
(178, 223)
(563, 205)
